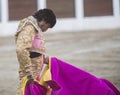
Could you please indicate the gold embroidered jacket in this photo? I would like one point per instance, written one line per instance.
(25, 35)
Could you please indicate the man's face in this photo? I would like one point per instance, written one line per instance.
(43, 25)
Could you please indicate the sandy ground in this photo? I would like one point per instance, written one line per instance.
(95, 51)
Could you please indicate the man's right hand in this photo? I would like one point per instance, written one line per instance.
(30, 79)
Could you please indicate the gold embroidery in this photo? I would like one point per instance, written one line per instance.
(24, 39)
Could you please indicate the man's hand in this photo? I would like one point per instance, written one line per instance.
(30, 79)
(49, 90)
(46, 60)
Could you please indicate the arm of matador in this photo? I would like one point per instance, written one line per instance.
(23, 43)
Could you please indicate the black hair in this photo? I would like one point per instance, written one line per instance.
(46, 15)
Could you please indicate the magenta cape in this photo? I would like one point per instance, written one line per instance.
(74, 81)
(35, 89)
(69, 80)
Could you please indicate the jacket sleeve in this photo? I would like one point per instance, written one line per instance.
(23, 43)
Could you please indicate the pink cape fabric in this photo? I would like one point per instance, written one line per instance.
(35, 89)
(69, 80)
(74, 81)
